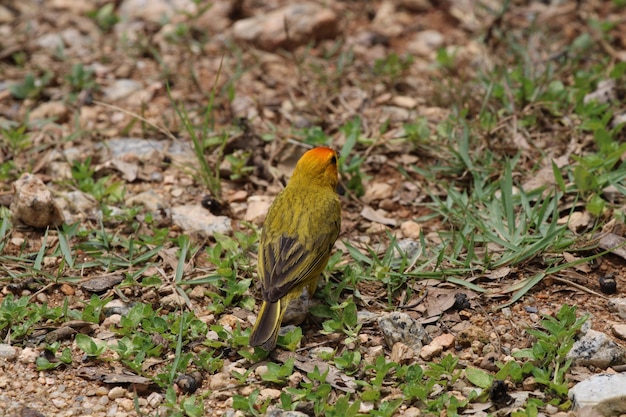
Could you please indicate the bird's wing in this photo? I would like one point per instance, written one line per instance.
(288, 263)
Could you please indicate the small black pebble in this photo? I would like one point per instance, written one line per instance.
(187, 383)
(608, 285)
(213, 205)
(460, 301)
(498, 393)
(530, 309)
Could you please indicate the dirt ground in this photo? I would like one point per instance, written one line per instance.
(95, 79)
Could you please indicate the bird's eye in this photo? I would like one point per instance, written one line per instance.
(333, 160)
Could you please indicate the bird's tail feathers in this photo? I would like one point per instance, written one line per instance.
(265, 330)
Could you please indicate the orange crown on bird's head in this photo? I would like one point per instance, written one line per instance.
(317, 166)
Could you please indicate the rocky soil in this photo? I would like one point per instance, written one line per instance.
(102, 80)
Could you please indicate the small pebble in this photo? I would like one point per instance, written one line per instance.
(116, 392)
(272, 393)
(59, 403)
(608, 284)
(67, 289)
(7, 352)
(619, 330)
(127, 404)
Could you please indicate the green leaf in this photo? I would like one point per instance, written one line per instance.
(558, 177)
(596, 205)
(479, 377)
(89, 345)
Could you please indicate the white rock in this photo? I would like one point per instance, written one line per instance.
(155, 11)
(154, 399)
(604, 93)
(220, 381)
(7, 352)
(28, 355)
(120, 89)
(116, 392)
(304, 22)
(149, 199)
(272, 393)
(258, 205)
(410, 248)
(195, 219)
(426, 42)
(605, 393)
(378, 191)
(431, 350)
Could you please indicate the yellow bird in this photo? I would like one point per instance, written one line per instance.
(300, 230)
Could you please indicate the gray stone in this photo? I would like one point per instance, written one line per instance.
(617, 305)
(50, 41)
(604, 93)
(605, 393)
(7, 352)
(410, 248)
(147, 149)
(400, 327)
(116, 307)
(596, 349)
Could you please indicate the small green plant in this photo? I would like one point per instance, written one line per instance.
(239, 164)
(90, 346)
(342, 408)
(315, 392)
(45, 364)
(104, 190)
(15, 139)
(392, 67)
(349, 361)
(341, 318)
(105, 17)
(349, 163)
(278, 373)
(191, 406)
(93, 308)
(378, 371)
(251, 405)
(230, 258)
(549, 353)
(19, 316)
(31, 87)
(291, 340)
(80, 78)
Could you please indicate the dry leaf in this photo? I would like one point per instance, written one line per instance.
(372, 215)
